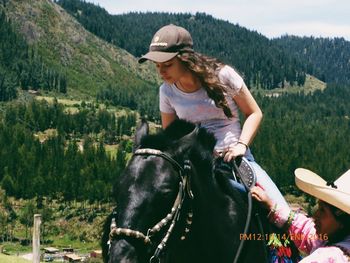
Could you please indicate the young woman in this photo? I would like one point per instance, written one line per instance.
(326, 237)
(203, 90)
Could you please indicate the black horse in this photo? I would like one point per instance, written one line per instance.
(173, 207)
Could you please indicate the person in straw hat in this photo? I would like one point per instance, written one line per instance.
(326, 236)
(203, 90)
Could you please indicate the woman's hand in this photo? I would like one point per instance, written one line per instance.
(260, 195)
(237, 150)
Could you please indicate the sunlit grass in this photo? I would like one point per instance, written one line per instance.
(311, 85)
(12, 259)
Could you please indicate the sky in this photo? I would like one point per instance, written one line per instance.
(272, 18)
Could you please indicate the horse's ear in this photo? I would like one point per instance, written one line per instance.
(141, 131)
(206, 139)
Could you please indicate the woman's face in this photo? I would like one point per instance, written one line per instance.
(325, 222)
(172, 70)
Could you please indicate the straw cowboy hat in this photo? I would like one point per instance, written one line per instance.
(336, 193)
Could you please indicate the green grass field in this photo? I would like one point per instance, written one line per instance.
(311, 85)
(12, 259)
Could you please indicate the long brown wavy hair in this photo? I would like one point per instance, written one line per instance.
(206, 69)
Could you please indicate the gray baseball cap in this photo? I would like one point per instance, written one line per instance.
(167, 42)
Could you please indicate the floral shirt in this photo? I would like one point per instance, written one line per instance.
(302, 232)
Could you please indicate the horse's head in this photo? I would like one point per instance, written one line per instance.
(151, 190)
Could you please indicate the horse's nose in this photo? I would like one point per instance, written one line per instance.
(122, 252)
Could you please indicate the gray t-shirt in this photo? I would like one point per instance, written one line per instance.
(197, 107)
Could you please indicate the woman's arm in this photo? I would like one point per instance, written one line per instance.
(253, 116)
(167, 118)
(301, 229)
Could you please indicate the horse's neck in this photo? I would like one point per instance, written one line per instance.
(218, 221)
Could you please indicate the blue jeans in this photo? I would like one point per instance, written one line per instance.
(238, 186)
(269, 186)
(264, 180)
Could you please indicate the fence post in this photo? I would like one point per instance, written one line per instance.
(36, 238)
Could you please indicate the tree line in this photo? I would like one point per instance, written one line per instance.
(329, 57)
(21, 66)
(146, 102)
(89, 119)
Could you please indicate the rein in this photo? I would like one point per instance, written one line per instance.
(173, 215)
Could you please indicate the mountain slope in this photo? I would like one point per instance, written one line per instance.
(90, 63)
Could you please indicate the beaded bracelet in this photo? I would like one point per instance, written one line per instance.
(290, 218)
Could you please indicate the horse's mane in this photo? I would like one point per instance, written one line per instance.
(177, 136)
(176, 139)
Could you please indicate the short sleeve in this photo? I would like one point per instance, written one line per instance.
(164, 100)
(232, 79)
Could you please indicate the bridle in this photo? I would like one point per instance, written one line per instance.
(173, 216)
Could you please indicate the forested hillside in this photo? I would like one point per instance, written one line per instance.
(21, 66)
(298, 130)
(59, 54)
(310, 131)
(55, 165)
(262, 63)
(330, 57)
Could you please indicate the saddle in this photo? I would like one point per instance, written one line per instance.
(238, 170)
